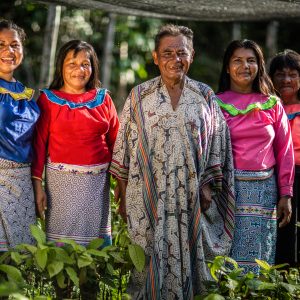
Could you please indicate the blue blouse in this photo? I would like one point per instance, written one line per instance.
(18, 115)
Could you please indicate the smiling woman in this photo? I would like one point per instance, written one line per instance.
(18, 115)
(285, 73)
(262, 152)
(74, 138)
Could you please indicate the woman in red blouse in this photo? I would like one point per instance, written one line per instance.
(74, 141)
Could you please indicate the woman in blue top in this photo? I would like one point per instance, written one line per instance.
(18, 115)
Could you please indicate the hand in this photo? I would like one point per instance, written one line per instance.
(284, 211)
(120, 197)
(205, 197)
(40, 198)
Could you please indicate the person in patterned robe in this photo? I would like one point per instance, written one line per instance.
(173, 163)
(18, 116)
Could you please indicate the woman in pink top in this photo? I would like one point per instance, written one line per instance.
(262, 152)
(285, 73)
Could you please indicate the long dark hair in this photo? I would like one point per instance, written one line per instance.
(287, 59)
(76, 46)
(262, 83)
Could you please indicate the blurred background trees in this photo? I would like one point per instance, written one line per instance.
(124, 43)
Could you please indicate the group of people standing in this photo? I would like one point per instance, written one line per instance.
(198, 174)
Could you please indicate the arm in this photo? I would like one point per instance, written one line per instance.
(284, 155)
(121, 158)
(113, 124)
(120, 197)
(40, 143)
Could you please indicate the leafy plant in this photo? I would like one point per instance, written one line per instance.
(273, 282)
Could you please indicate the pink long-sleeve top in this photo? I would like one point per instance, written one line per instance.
(260, 135)
(293, 112)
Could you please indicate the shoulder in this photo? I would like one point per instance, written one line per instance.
(148, 87)
(200, 88)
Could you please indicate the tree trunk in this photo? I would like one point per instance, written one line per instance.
(271, 40)
(236, 31)
(49, 46)
(107, 58)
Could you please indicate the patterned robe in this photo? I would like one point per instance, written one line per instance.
(166, 156)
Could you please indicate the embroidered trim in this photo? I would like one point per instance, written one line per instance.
(253, 175)
(75, 169)
(98, 100)
(233, 111)
(9, 164)
(292, 116)
(27, 94)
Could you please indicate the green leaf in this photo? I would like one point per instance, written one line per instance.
(60, 278)
(72, 275)
(263, 264)
(41, 258)
(12, 273)
(95, 244)
(84, 260)
(118, 257)
(41, 298)
(16, 257)
(137, 256)
(38, 234)
(30, 248)
(289, 287)
(54, 268)
(8, 287)
(110, 269)
(62, 255)
(214, 297)
(216, 266)
(98, 253)
(17, 296)
(124, 240)
(68, 242)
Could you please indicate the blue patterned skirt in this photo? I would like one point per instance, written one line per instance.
(255, 218)
(78, 203)
(17, 208)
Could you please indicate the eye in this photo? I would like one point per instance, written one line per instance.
(167, 54)
(16, 46)
(252, 60)
(86, 65)
(182, 54)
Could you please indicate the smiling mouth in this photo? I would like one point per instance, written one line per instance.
(8, 60)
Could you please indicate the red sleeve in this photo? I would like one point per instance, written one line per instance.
(113, 124)
(40, 140)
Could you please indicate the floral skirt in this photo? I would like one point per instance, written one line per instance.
(17, 208)
(255, 218)
(78, 203)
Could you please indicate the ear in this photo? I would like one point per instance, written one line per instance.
(155, 58)
(192, 55)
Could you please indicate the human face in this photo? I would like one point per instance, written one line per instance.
(77, 71)
(173, 58)
(11, 53)
(242, 70)
(287, 83)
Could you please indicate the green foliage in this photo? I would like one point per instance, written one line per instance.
(68, 269)
(273, 282)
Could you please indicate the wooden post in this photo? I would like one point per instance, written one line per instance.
(236, 31)
(107, 58)
(49, 46)
(271, 40)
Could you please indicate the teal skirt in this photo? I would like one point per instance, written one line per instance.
(255, 219)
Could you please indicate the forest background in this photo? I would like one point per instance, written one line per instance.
(124, 43)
